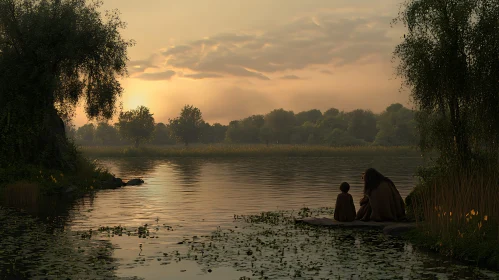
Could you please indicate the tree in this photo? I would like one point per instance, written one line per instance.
(449, 60)
(70, 130)
(106, 134)
(218, 132)
(85, 134)
(162, 135)
(136, 125)
(54, 53)
(332, 112)
(362, 125)
(339, 138)
(397, 126)
(281, 123)
(265, 134)
(312, 116)
(187, 127)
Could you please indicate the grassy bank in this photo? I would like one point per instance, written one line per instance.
(225, 150)
(458, 216)
(24, 186)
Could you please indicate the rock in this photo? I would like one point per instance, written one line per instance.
(113, 183)
(135, 182)
(398, 229)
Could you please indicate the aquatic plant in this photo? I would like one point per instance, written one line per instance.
(270, 245)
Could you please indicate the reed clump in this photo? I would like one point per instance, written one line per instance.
(459, 215)
(239, 150)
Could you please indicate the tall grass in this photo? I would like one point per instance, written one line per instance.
(226, 150)
(459, 215)
(22, 194)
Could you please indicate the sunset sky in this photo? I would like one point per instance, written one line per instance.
(235, 58)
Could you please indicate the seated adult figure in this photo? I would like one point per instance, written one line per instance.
(382, 201)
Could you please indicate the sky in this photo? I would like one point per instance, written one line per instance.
(236, 58)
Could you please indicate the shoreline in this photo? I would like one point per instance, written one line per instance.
(220, 151)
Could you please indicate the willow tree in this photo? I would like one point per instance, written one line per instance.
(449, 58)
(54, 54)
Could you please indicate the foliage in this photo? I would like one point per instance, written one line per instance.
(396, 126)
(312, 116)
(106, 134)
(86, 134)
(53, 54)
(136, 125)
(362, 125)
(162, 135)
(281, 123)
(187, 127)
(85, 176)
(449, 60)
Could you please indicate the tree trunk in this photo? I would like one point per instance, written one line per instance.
(53, 142)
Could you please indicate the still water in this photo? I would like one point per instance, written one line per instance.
(189, 199)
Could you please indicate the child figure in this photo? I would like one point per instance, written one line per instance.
(344, 211)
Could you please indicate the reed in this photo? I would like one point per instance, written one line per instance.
(257, 150)
(460, 215)
(21, 194)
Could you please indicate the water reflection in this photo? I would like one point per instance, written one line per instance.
(195, 196)
(187, 169)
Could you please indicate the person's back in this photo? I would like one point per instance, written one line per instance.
(386, 203)
(344, 210)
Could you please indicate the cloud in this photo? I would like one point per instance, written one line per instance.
(159, 76)
(140, 66)
(290, 77)
(199, 76)
(326, 39)
(325, 71)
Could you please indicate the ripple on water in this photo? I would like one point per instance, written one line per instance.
(195, 196)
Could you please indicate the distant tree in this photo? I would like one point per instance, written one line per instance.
(339, 138)
(265, 134)
(53, 54)
(218, 132)
(136, 125)
(362, 125)
(332, 112)
(312, 116)
(246, 130)
(106, 134)
(233, 133)
(397, 126)
(162, 135)
(85, 134)
(281, 123)
(187, 127)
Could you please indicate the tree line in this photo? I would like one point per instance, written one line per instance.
(395, 126)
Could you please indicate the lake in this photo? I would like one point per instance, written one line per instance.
(189, 203)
